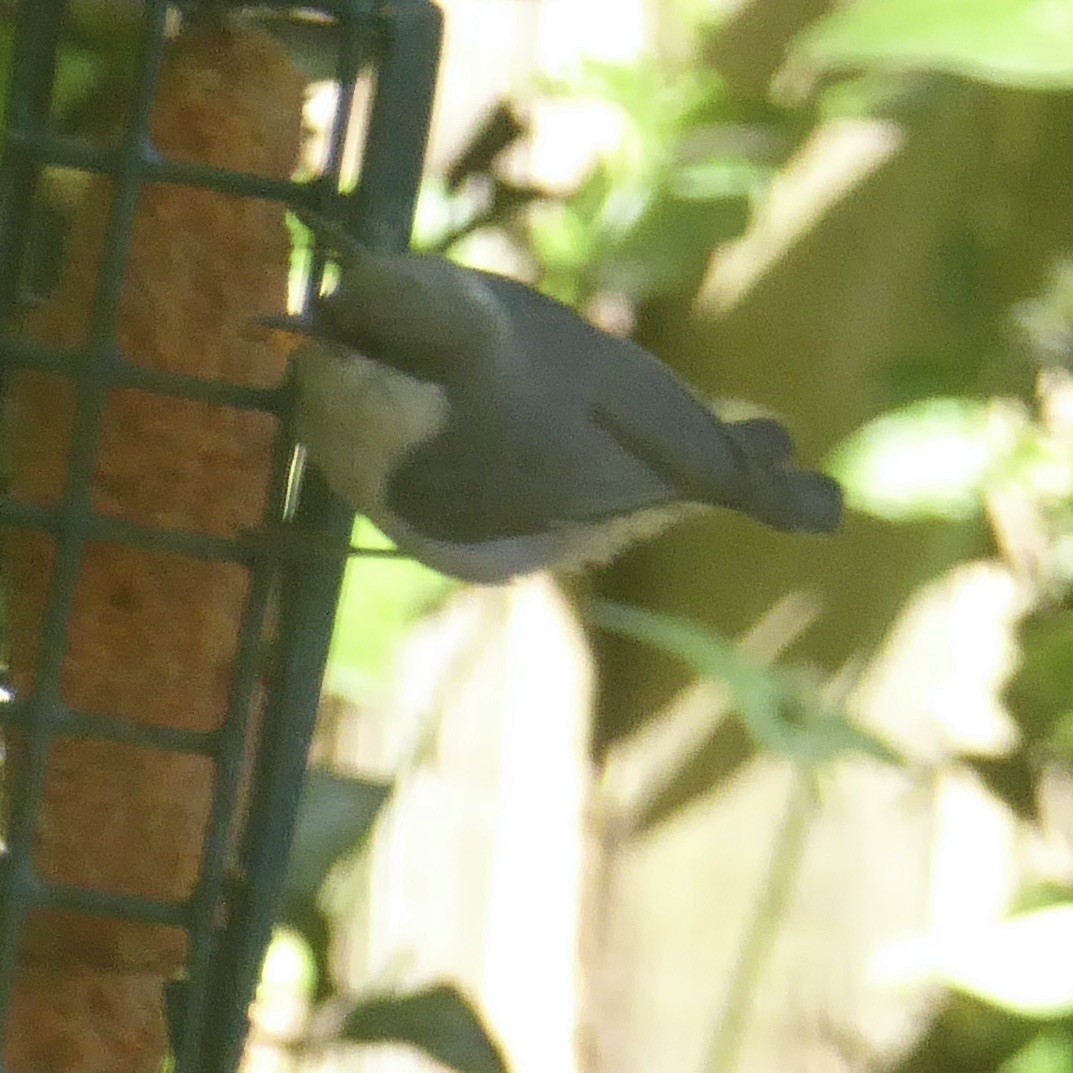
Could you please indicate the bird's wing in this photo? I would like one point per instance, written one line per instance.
(653, 415)
(607, 430)
(521, 455)
(540, 475)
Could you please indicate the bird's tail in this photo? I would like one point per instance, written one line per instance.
(773, 491)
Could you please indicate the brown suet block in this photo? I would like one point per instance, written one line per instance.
(152, 636)
(48, 1027)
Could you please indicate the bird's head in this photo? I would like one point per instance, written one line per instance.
(421, 315)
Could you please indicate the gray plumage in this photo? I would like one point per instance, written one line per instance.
(491, 431)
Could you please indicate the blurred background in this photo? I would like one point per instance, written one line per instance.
(827, 824)
(741, 800)
(856, 217)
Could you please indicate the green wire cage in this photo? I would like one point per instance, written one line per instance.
(228, 919)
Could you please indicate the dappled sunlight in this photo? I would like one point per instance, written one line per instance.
(743, 798)
(950, 856)
(476, 872)
(654, 876)
(840, 155)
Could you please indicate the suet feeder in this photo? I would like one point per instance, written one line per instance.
(153, 764)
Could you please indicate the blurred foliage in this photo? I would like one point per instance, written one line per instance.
(954, 457)
(930, 458)
(1040, 694)
(381, 601)
(1047, 319)
(689, 164)
(1025, 43)
(97, 52)
(939, 457)
(783, 708)
(969, 1035)
(438, 1020)
(1020, 964)
(336, 820)
(786, 713)
(692, 159)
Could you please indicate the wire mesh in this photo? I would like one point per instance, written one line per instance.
(208, 1008)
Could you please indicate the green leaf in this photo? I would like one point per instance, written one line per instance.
(312, 924)
(105, 25)
(1012, 779)
(929, 459)
(703, 651)
(7, 52)
(668, 246)
(1048, 1052)
(335, 818)
(927, 373)
(717, 178)
(1010, 42)
(288, 969)
(438, 1020)
(783, 710)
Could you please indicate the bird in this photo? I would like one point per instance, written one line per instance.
(491, 431)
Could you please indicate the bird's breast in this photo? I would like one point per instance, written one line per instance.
(359, 419)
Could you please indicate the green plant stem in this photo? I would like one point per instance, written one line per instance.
(786, 856)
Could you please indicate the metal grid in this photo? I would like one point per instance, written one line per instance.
(208, 1009)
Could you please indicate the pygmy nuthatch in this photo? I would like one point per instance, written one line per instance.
(491, 431)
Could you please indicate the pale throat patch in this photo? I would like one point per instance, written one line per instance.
(358, 419)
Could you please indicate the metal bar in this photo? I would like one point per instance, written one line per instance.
(355, 46)
(382, 211)
(37, 32)
(68, 722)
(249, 549)
(98, 528)
(187, 1042)
(382, 214)
(187, 1001)
(25, 354)
(48, 147)
(47, 695)
(117, 906)
(33, 70)
(121, 373)
(307, 614)
(273, 400)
